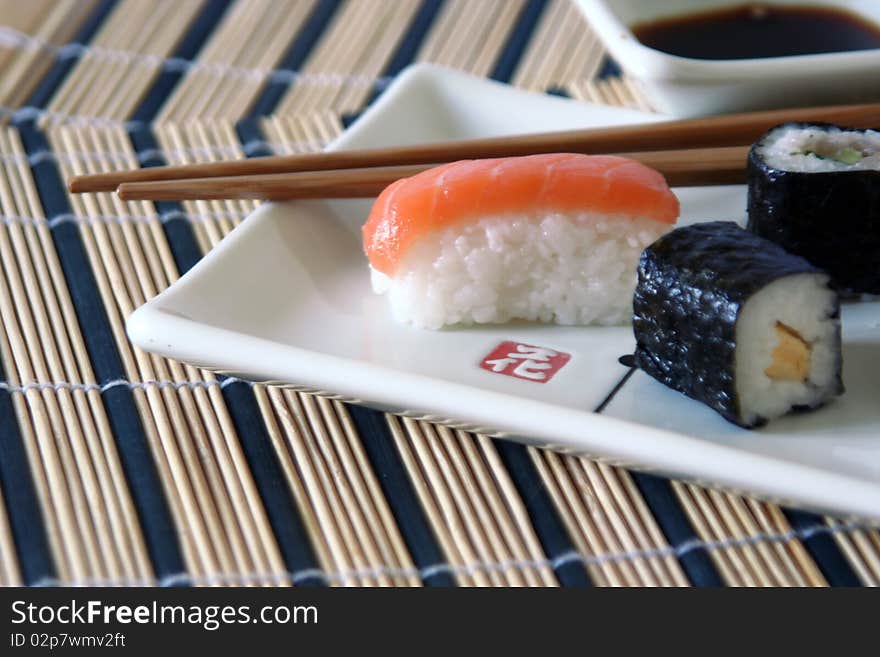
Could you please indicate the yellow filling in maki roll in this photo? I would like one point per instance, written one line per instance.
(791, 358)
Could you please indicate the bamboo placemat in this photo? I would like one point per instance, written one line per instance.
(120, 467)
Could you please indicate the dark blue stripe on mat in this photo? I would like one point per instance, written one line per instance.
(75, 263)
(296, 55)
(179, 231)
(545, 519)
(379, 445)
(823, 548)
(201, 28)
(134, 453)
(558, 91)
(412, 41)
(250, 134)
(405, 53)
(548, 526)
(59, 70)
(609, 69)
(20, 495)
(143, 481)
(516, 44)
(351, 117)
(292, 537)
(665, 508)
(180, 236)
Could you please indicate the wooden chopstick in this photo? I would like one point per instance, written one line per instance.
(695, 166)
(727, 130)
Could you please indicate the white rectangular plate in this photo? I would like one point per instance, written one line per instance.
(286, 298)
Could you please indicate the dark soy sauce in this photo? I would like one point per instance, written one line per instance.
(759, 30)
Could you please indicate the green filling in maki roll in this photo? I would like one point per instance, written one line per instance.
(814, 189)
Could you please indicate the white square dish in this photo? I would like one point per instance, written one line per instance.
(286, 298)
(683, 86)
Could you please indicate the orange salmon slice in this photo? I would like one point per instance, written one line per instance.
(533, 185)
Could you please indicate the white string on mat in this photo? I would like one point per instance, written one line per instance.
(248, 148)
(116, 383)
(557, 562)
(165, 217)
(28, 113)
(12, 38)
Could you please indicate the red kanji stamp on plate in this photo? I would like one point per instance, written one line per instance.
(525, 361)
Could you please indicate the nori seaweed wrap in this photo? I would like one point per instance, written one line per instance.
(815, 190)
(734, 321)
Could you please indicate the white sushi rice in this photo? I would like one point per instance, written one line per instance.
(558, 268)
(813, 149)
(802, 302)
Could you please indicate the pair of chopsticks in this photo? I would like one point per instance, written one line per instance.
(704, 151)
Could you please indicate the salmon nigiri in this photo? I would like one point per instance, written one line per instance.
(553, 238)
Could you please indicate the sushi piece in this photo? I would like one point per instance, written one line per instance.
(815, 190)
(734, 321)
(553, 238)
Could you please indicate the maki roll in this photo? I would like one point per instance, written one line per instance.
(815, 190)
(734, 321)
